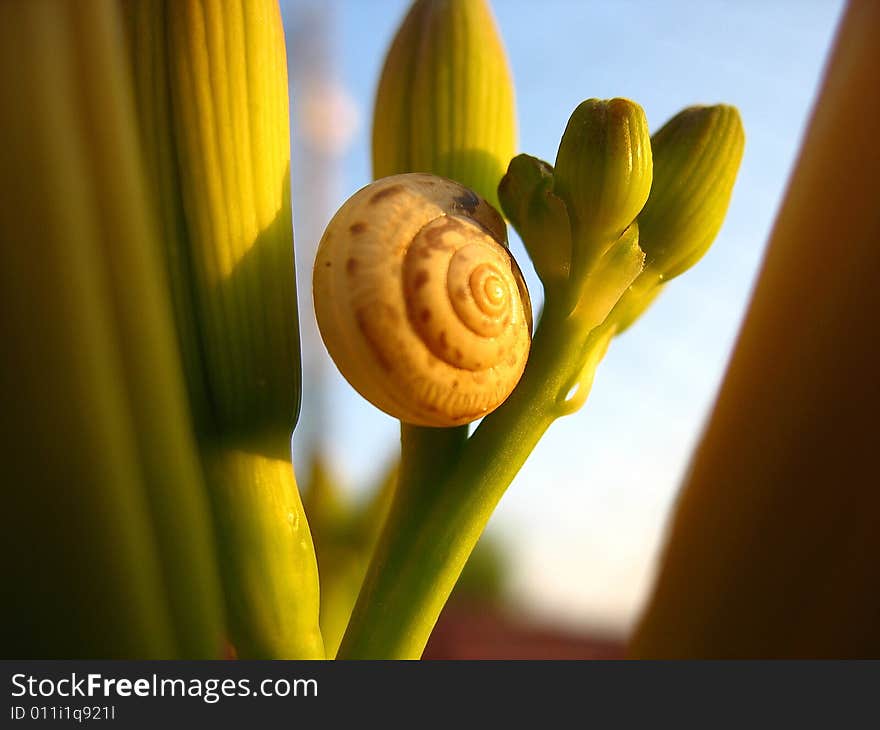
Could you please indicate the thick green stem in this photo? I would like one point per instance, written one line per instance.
(427, 457)
(266, 551)
(435, 523)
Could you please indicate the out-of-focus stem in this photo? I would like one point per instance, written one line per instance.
(108, 532)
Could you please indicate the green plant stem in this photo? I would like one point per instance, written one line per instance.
(266, 550)
(435, 523)
(427, 456)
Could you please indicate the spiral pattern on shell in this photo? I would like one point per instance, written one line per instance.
(419, 302)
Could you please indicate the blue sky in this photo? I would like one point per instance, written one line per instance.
(585, 517)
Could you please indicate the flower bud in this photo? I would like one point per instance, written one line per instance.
(539, 216)
(445, 103)
(214, 110)
(696, 158)
(228, 75)
(603, 172)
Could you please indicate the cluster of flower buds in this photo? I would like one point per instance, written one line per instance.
(621, 206)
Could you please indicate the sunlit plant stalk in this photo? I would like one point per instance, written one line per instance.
(212, 83)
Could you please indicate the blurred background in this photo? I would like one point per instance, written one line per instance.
(569, 555)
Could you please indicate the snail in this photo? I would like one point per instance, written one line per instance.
(419, 303)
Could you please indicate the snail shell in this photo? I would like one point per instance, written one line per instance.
(419, 303)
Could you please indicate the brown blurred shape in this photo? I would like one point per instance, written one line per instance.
(470, 630)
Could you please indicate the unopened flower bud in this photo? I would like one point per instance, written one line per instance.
(696, 159)
(234, 267)
(445, 103)
(603, 172)
(539, 216)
